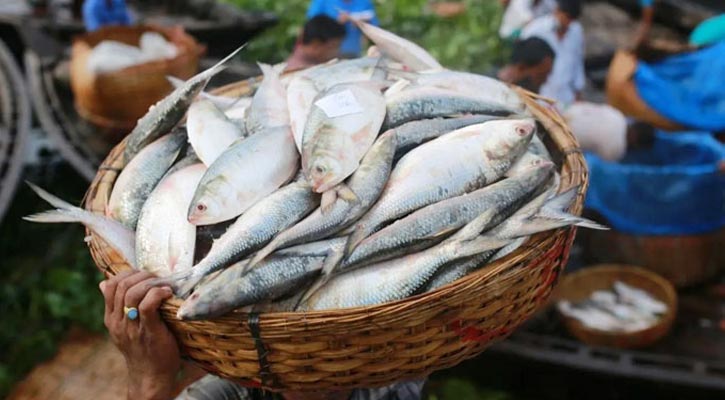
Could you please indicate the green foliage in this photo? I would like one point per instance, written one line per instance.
(47, 283)
(468, 41)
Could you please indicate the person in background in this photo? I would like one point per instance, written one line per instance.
(531, 63)
(99, 13)
(564, 34)
(319, 42)
(709, 31)
(518, 13)
(154, 364)
(343, 11)
(604, 131)
(645, 22)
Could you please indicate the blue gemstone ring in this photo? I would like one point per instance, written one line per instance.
(131, 312)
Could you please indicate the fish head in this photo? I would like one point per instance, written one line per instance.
(204, 210)
(324, 173)
(516, 134)
(199, 303)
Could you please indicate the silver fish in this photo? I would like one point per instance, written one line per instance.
(399, 49)
(167, 112)
(453, 164)
(431, 102)
(140, 176)
(210, 131)
(342, 125)
(413, 133)
(498, 201)
(164, 238)
(469, 84)
(457, 269)
(269, 104)
(250, 169)
(117, 236)
(301, 94)
(390, 280)
(366, 182)
(253, 229)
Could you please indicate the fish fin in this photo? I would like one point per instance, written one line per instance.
(332, 261)
(175, 82)
(264, 252)
(562, 201)
(441, 233)
(267, 70)
(475, 227)
(328, 199)
(538, 224)
(51, 199)
(358, 235)
(216, 68)
(344, 192)
(52, 217)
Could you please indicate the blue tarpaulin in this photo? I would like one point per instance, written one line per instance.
(674, 188)
(688, 88)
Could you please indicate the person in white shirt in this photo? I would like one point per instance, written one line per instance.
(604, 131)
(565, 35)
(518, 13)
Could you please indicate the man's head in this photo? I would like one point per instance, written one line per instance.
(640, 135)
(567, 11)
(531, 63)
(321, 38)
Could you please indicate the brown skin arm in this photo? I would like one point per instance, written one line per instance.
(645, 25)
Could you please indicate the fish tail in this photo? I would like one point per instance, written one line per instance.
(562, 201)
(266, 251)
(267, 70)
(175, 82)
(65, 212)
(216, 68)
(331, 263)
(358, 235)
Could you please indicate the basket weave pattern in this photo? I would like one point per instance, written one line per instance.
(375, 345)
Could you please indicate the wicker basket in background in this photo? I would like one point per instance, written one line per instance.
(114, 101)
(375, 345)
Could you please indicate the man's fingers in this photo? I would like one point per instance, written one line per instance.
(122, 287)
(136, 293)
(108, 288)
(149, 306)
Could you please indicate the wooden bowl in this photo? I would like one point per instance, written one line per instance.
(579, 285)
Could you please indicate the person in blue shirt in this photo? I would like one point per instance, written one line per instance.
(99, 13)
(645, 23)
(342, 11)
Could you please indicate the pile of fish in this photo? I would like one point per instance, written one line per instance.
(622, 309)
(111, 55)
(352, 183)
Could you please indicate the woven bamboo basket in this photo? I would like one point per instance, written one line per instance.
(579, 285)
(376, 345)
(622, 94)
(114, 101)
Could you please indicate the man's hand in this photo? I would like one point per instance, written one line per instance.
(151, 351)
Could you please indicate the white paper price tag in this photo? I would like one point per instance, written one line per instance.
(339, 104)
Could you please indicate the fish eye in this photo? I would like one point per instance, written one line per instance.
(201, 207)
(320, 169)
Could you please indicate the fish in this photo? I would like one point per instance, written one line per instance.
(393, 279)
(210, 131)
(269, 103)
(535, 153)
(165, 240)
(453, 164)
(509, 248)
(250, 231)
(466, 83)
(167, 112)
(413, 133)
(498, 201)
(301, 94)
(342, 125)
(118, 236)
(354, 70)
(455, 270)
(141, 175)
(366, 182)
(238, 112)
(250, 169)
(399, 49)
(211, 387)
(432, 102)
(639, 298)
(221, 102)
(275, 277)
